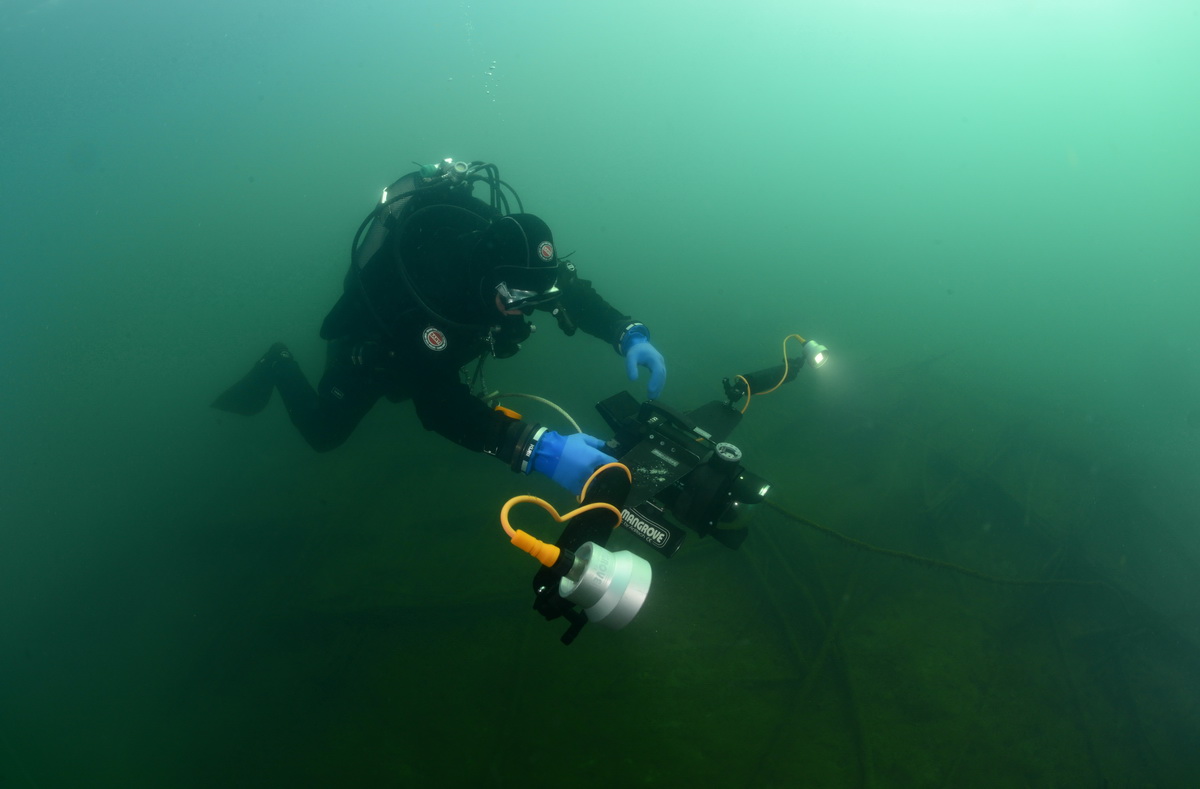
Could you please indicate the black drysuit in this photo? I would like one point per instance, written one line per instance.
(411, 317)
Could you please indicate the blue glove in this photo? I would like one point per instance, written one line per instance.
(638, 352)
(568, 460)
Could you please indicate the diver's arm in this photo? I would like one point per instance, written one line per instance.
(523, 446)
(588, 310)
(446, 406)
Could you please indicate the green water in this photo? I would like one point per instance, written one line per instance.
(988, 211)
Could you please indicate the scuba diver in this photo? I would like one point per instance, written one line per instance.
(439, 278)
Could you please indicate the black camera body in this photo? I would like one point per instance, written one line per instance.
(682, 475)
(685, 476)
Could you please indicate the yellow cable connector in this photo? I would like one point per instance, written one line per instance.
(545, 553)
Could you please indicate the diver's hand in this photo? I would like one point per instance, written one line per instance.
(568, 460)
(640, 353)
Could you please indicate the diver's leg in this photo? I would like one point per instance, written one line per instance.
(328, 415)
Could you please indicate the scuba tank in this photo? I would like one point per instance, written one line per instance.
(441, 182)
(447, 181)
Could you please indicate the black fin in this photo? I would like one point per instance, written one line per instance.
(251, 394)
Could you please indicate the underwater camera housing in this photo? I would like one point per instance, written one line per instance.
(684, 476)
(684, 473)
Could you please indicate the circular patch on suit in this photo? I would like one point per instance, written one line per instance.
(435, 340)
(546, 251)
